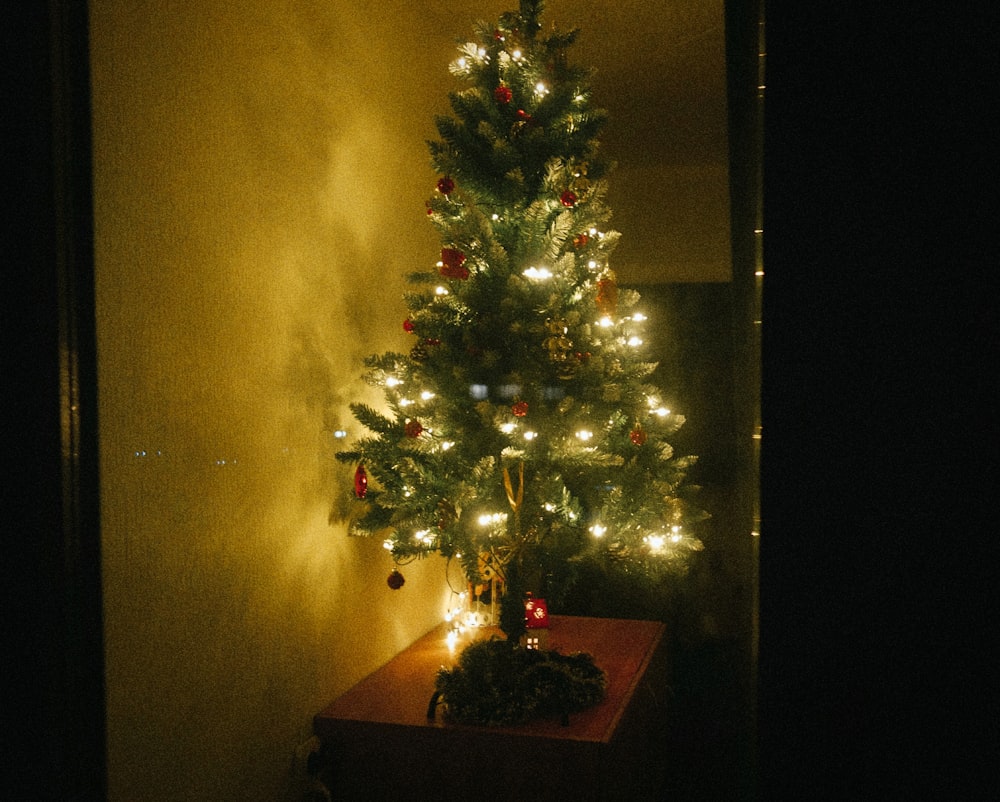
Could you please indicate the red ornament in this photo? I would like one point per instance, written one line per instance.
(568, 198)
(361, 482)
(503, 95)
(413, 428)
(453, 264)
(637, 436)
(520, 408)
(523, 116)
(581, 240)
(408, 325)
(395, 580)
(445, 186)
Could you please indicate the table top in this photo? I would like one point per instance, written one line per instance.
(399, 692)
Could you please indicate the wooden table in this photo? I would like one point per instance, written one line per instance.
(378, 743)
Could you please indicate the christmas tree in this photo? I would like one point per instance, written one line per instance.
(520, 435)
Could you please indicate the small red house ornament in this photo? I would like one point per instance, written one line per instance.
(536, 622)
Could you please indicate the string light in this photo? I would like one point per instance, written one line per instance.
(540, 273)
(655, 542)
(597, 530)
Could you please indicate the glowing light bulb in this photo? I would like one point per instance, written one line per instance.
(440, 290)
(639, 316)
(530, 435)
(426, 395)
(634, 341)
(540, 273)
(655, 542)
(392, 381)
(597, 530)
(507, 428)
(516, 55)
(605, 322)
(446, 445)
(541, 89)
(387, 545)
(584, 434)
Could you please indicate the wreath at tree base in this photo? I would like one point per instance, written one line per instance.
(497, 684)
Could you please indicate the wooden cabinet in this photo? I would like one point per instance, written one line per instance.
(379, 744)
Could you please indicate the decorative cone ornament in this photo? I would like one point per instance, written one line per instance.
(361, 482)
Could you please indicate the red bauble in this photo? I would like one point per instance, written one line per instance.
(413, 428)
(453, 264)
(395, 580)
(445, 185)
(568, 198)
(637, 436)
(408, 325)
(520, 408)
(503, 95)
(581, 240)
(361, 482)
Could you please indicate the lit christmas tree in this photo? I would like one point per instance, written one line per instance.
(521, 435)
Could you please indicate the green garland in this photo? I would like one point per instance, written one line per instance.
(496, 684)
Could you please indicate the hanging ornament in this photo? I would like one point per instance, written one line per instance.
(637, 435)
(503, 94)
(607, 294)
(361, 482)
(559, 348)
(568, 199)
(581, 240)
(519, 408)
(453, 264)
(445, 186)
(524, 121)
(408, 326)
(412, 428)
(395, 580)
(447, 513)
(580, 183)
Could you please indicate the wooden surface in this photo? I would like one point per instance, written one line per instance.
(378, 740)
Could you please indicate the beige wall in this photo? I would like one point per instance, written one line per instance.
(257, 202)
(260, 174)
